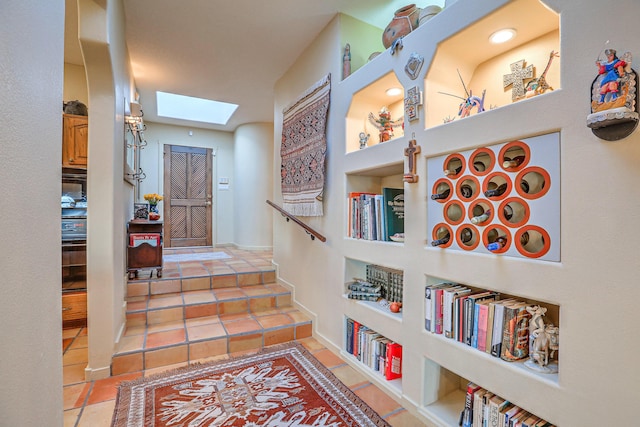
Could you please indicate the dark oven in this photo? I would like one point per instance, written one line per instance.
(73, 204)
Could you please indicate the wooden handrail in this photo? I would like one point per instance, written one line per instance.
(310, 231)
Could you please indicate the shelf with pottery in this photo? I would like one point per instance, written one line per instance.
(470, 73)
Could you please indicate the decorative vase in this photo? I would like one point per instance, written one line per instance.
(154, 213)
(404, 21)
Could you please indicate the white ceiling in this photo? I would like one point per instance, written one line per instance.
(230, 51)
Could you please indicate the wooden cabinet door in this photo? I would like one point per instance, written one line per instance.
(75, 132)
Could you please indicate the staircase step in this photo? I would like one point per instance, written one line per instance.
(190, 339)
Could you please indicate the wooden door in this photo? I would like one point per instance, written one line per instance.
(188, 196)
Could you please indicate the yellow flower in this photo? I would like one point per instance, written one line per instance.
(153, 198)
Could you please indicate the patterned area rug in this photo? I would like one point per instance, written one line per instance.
(303, 149)
(280, 386)
(204, 256)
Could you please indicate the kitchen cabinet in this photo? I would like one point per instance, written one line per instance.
(74, 309)
(75, 132)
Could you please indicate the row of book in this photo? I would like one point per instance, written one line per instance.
(374, 350)
(390, 280)
(485, 409)
(479, 318)
(376, 216)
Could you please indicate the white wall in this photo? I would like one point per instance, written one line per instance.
(157, 135)
(75, 84)
(30, 117)
(253, 163)
(101, 34)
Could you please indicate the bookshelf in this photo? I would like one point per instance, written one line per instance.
(585, 210)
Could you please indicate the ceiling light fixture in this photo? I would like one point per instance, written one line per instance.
(502, 36)
(394, 91)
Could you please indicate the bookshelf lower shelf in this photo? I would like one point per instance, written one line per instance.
(392, 386)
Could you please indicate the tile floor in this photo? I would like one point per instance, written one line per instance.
(91, 403)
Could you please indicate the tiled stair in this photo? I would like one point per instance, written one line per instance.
(177, 320)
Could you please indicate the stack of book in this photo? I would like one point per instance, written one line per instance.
(376, 216)
(362, 290)
(390, 281)
(478, 318)
(483, 408)
(380, 354)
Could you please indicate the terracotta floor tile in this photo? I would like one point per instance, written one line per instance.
(98, 415)
(199, 297)
(137, 305)
(73, 374)
(377, 399)
(228, 294)
(212, 330)
(70, 333)
(166, 326)
(80, 342)
(135, 330)
(74, 357)
(242, 326)
(404, 418)
(166, 356)
(311, 344)
(107, 389)
(274, 321)
(66, 342)
(202, 321)
(165, 338)
(349, 376)
(131, 343)
(165, 300)
(162, 369)
(256, 290)
(74, 395)
(328, 358)
(127, 363)
(298, 317)
(235, 316)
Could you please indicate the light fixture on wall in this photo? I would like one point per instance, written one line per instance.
(502, 36)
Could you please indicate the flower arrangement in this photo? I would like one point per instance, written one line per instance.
(153, 198)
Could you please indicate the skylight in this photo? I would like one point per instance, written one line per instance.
(194, 109)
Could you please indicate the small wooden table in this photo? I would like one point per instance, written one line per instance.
(144, 247)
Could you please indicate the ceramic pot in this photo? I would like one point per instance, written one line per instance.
(404, 21)
(428, 12)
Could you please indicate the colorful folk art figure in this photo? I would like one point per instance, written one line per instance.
(612, 69)
(539, 85)
(384, 124)
(468, 103)
(613, 97)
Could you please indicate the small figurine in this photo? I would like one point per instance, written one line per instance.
(384, 124)
(364, 139)
(613, 97)
(543, 342)
(346, 62)
(539, 85)
(468, 103)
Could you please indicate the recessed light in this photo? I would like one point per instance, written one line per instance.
(502, 36)
(394, 91)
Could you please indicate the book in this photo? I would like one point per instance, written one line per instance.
(482, 319)
(379, 209)
(349, 336)
(467, 416)
(530, 421)
(486, 398)
(394, 361)
(515, 336)
(356, 332)
(478, 398)
(509, 414)
(469, 312)
(449, 298)
(498, 322)
(136, 239)
(393, 199)
(496, 403)
(430, 305)
(516, 420)
(502, 413)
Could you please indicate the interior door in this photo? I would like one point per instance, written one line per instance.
(188, 196)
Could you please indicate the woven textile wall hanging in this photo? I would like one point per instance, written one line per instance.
(303, 149)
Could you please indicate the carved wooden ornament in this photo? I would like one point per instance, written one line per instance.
(412, 153)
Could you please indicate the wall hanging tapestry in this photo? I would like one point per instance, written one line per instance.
(303, 150)
(280, 386)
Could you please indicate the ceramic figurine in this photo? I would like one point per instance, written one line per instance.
(613, 96)
(364, 139)
(543, 342)
(468, 103)
(346, 62)
(384, 124)
(539, 85)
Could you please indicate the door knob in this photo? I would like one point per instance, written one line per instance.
(208, 203)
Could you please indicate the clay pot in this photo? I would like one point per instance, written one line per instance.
(395, 307)
(404, 21)
(428, 12)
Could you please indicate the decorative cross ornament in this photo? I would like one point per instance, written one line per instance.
(518, 74)
(412, 102)
(411, 152)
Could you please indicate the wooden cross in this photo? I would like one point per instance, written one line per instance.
(518, 74)
(411, 152)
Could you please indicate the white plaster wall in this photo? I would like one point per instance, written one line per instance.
(157, 135)
(75, 84)
(594, 283)
(30, 116)
(253, 162)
